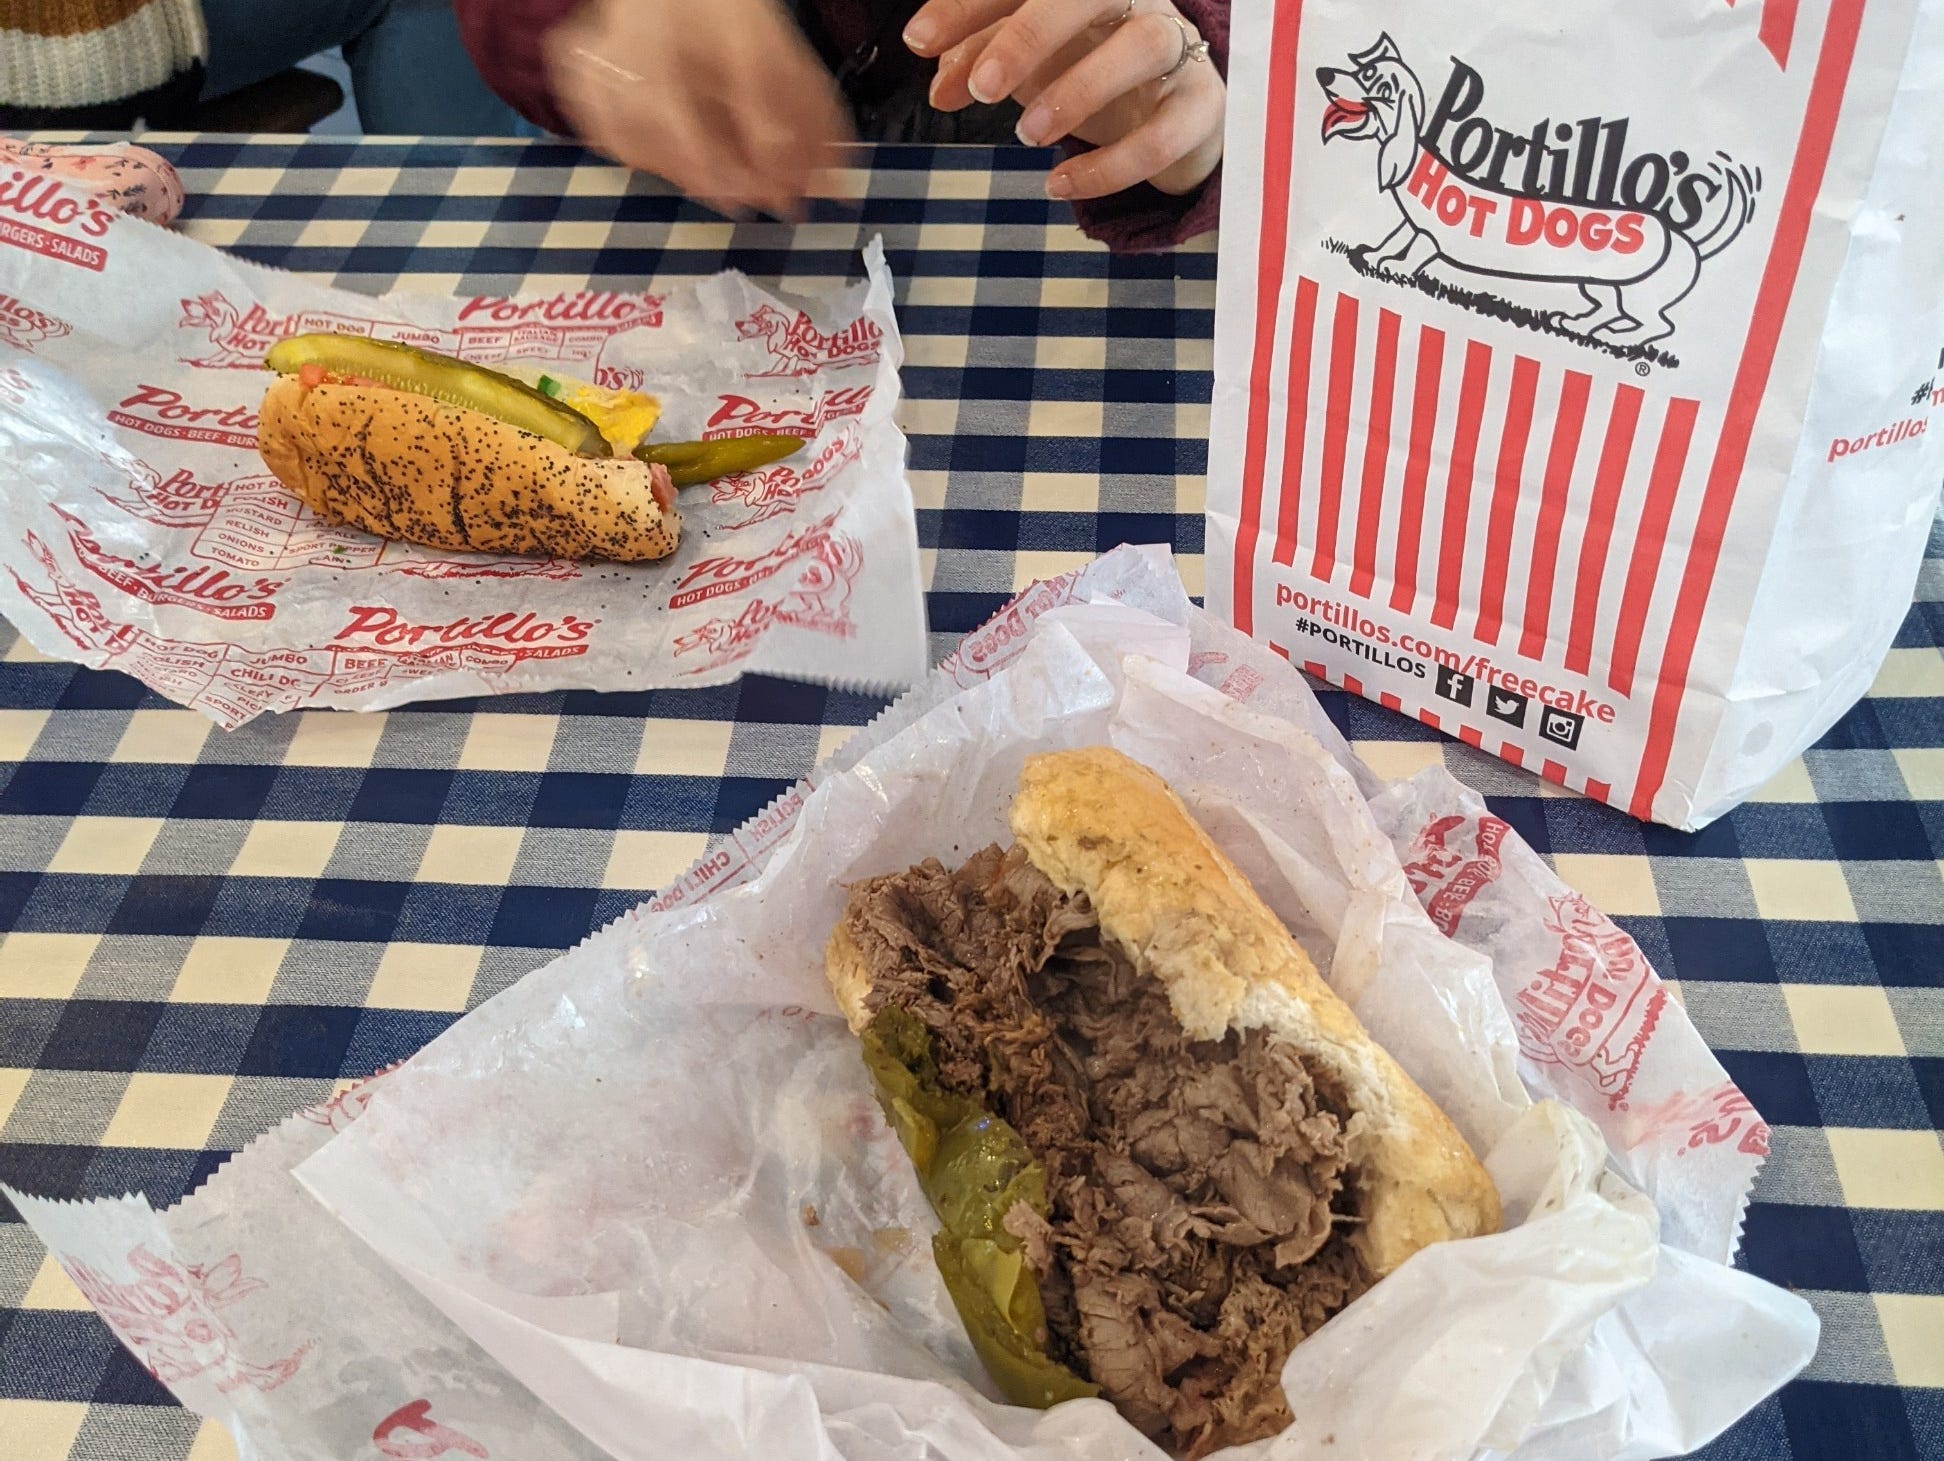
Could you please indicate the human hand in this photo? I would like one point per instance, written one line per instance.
(725, 100)
(1103, 71)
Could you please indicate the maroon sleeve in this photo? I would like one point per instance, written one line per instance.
(506, 39)
(1144, 219)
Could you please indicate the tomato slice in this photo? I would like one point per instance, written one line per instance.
(660, 488)
(311, 375)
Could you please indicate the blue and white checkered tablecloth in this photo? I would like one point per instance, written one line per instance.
(205, 931)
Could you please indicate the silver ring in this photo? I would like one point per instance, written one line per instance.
(1193, 48)
(1121, 19)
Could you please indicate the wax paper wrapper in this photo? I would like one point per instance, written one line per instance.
(649, 1187)
(143, 532)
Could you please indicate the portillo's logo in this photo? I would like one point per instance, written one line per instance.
(714, 578)
(73, 219)
(1546, 200)
(1584, 162)
(518, 635)
(737, 415)
(23, 327)
(160, 411)
(573, 327)
(584, 307)
(35, 195)
(1595, 1010)
(797, 347)
(770, 492)
(198, 586)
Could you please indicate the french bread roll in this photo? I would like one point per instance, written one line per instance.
(1098, 823)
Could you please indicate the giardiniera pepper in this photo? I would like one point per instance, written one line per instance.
(973, 1168)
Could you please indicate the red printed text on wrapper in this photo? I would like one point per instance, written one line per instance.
(770, 492)
(30, 201)
(1594, 1011)
(701, 879)
(740, 415)
(514, 636)
(410, 1433)
(1002, 638)
(1238, 684)
(170, 1318)
(566, 327)
(1445, 877)
(738, 858)
(211, 591)
(251, 522)
(818, 569)
(1696, 1120)
(23, 327)
(726, 574)
(348, 1104)
(1241, 682)
(159, 411)
(797, 347)
(236, 683)
(599, 308)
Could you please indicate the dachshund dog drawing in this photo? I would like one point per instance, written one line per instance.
(1630, 264)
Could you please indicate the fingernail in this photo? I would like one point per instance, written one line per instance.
(1037, 125)
(988, 83)
(920, 36)
(1059, 185)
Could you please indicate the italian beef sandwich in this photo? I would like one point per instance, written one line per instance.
(1162, 1151)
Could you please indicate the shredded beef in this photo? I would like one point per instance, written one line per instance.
(1198, 1198)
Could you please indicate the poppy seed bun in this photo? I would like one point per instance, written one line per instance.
(414, 468)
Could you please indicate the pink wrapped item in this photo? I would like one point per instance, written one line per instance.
(127, 178)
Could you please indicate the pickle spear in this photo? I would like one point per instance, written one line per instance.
(691, 462)
(423, 373)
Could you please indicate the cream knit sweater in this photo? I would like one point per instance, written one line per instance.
(71, 53)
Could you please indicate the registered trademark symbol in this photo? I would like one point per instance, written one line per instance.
(1641, 367)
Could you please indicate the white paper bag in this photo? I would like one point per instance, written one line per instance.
(1579, 369)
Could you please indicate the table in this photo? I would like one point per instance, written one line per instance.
(207, 931)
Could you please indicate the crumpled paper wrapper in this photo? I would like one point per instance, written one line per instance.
(648, 1187)
(145, 534)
